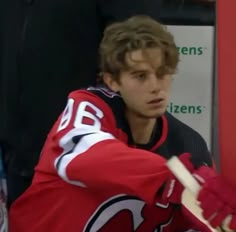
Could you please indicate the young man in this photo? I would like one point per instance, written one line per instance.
(47, 45)
(103, 166)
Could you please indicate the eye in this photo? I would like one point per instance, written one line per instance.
(164, 71)
(165, 77)
(140, 76)
(161, 77)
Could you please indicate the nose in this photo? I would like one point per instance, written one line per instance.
(154, 84)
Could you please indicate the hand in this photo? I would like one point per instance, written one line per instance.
(173, 188)
(217, 198)
(175, 193)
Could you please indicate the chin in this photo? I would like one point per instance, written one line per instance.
(158, 113)
(155, 114)
(151, 113)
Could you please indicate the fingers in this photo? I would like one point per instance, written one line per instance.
(215, 211)
(209, 203)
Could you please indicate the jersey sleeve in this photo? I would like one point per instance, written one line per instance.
(90, 151)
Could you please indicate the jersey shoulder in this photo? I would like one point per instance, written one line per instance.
(100, 94)
(178, 127)
(112, 98)
(107, 101)
(182, 135)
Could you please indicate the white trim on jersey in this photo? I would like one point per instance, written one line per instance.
(71, 151)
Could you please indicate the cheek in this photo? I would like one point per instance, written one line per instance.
(167, 86)
(132, 97)
(132, 89)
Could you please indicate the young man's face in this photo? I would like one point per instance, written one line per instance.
(145, 93)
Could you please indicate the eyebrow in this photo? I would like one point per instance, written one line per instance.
(138, 71)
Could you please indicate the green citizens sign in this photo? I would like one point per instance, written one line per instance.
(195, 51)
(185, 109)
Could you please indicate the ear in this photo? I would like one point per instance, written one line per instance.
(111, 82)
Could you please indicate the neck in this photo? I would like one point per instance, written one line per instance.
(141, 128)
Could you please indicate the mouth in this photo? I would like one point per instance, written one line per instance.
(156, 101)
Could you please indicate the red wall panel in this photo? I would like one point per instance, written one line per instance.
(226, 69)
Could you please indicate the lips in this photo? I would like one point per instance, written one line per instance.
(155, 101)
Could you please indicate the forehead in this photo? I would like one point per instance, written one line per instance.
(150, 58)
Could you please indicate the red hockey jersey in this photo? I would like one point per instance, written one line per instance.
(91, 176)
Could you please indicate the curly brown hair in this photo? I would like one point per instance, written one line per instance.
(137, 32)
